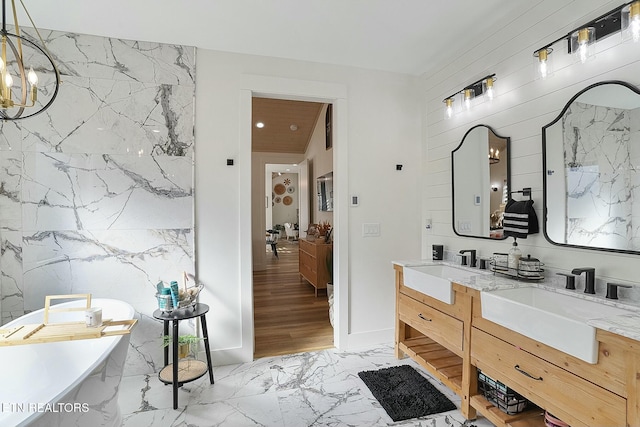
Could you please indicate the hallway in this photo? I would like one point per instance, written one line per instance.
(288, 318)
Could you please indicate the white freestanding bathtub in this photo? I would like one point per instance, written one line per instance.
(67, 383)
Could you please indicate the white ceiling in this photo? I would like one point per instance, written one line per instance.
(406, 36)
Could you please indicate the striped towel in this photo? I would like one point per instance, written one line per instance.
(520, 219)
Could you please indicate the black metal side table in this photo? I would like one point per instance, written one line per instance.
(180, 372)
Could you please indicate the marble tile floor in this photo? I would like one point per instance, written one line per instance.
(320, 388)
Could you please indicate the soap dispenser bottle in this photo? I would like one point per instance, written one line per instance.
(513, 259)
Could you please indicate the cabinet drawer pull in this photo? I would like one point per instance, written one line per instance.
(423, 318)
(525, 373)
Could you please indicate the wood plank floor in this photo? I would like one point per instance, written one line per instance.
(288, 317)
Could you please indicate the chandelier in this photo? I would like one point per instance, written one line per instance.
(494, 156)
(24, 92)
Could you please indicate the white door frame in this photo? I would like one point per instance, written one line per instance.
(299, 90)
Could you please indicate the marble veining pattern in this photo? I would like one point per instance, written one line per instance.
(96, 193)
(600, 173)
(317, 388)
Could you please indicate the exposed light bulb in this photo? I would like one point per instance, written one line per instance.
(468, 96)
(8, 80)
(489, 89)
(582, 52)
(543, 62)
(1, 65)
(448, 110)
(583, 41)
(32, 77)
(544, 69)
(259, 125)
(635, 29)
(634, 21)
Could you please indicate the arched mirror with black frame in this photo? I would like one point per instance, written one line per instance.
(480, 182)
(591, 170)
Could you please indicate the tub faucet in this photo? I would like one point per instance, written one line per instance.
(589, 278)
(472, 257)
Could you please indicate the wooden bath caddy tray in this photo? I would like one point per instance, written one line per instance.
(67, 331)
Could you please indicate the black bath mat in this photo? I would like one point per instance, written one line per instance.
(404, 393)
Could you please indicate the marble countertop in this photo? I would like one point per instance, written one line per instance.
(627, 325)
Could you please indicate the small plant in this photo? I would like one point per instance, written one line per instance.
(323, 228)
(182, 340)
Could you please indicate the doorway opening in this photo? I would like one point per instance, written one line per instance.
(290, 315)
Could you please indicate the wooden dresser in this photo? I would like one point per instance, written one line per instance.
(313, 262)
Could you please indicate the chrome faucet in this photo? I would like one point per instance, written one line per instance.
(589, 278)
(472, 257)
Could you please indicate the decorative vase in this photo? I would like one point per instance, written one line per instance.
(183, 350)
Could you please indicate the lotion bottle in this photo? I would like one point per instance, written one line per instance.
(513, 258)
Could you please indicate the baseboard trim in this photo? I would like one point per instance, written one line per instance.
(369, 339)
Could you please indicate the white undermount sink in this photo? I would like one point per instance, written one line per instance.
(435, 280)
(555, 319)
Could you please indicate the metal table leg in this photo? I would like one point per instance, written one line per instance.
(174, 360)
(205, 333)
(166, 347)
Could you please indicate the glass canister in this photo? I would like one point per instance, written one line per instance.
(530, 267)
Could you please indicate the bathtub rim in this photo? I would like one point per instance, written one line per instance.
(129, 313)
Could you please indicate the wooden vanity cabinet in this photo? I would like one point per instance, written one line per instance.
(579, 393)
(433, 334)
(312, 262)
(453, 341)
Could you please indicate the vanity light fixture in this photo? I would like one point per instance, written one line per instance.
(631, 22)
(583, 44)
(448, 107)
(489, 89)
(543, 62)
(485, 86)
(581, 41)
(19, 84)
(467, 97)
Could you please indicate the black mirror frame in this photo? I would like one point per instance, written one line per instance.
(453, 199)
(544, 168)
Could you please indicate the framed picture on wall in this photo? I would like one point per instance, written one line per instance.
(328, 126)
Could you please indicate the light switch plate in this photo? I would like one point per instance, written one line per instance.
(371, 229)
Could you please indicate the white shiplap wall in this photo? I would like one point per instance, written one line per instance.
(522, 108)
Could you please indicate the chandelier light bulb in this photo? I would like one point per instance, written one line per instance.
(32, 77)
(8, 81)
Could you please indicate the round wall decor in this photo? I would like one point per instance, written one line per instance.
(290, 190)
(277, 200)
(287, 200)
(279, 188)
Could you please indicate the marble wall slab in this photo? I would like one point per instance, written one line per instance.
(601, 177)
(96, 193)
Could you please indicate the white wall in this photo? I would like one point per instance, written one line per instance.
(321, 161)
(522, 107)
(283, 212)
(383, 128)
